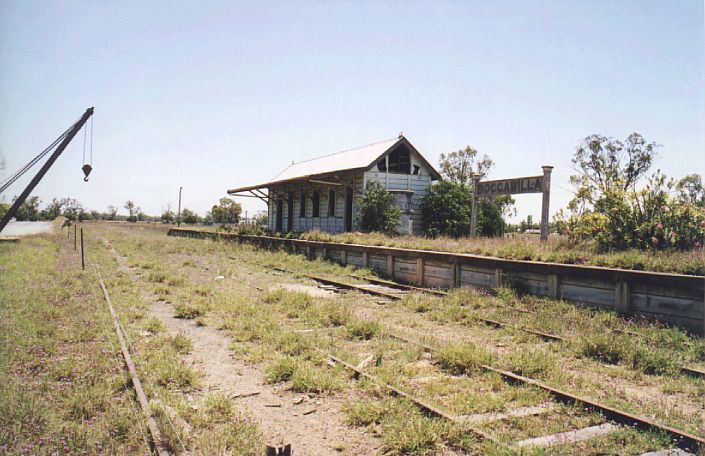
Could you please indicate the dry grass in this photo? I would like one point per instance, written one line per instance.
(280, 330)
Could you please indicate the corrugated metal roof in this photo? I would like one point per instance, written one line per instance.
(358, 158)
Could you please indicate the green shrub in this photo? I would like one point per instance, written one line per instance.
(377, 211)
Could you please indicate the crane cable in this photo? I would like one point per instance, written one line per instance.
(11, 179)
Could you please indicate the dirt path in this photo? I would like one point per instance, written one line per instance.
(313, 425)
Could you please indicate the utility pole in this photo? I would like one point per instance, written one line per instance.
(178, 217)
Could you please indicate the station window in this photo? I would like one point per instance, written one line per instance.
(316, 203)
(331, 203)
(302, 205)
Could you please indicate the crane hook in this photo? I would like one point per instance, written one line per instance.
(86, 170)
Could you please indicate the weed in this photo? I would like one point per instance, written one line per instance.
(293, 303)
(309, 378)
(157, 276)
(181, 343)
(530, 362)
(304, 376)
(292, 344)
(281, 370)
(328, 314)
(189, 310)
(362, 329)
(605, 347)
(462, 358)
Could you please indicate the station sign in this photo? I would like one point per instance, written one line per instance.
(532, 184)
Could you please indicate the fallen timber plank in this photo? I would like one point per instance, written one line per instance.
(668, 452)
(400, 286)
(514, 413)
(577, 435)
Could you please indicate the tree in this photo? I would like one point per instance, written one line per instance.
(53, 209)
(227, 211)
(168, 216)
(460, 165)
(112, 212)
(604, 163)
(377, 211)
(261, 219)
(489, 218)
(447, 209)
(189, 217)
(132, 209)
(28, 210)
(72, 209)
(4, 207)
(690, 190)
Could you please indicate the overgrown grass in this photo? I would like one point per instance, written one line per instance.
(62, 385)
(615, 348)
(303, 375)
(462, 358)
(403, 428)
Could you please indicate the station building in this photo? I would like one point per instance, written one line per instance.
(322, 193)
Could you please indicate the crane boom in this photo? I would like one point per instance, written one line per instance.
(38, 177)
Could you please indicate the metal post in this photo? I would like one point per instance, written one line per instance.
(75, 229)
(83, 261)
(178, 217)
(473, 216)
(546, 199)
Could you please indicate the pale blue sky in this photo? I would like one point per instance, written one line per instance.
(210, 95)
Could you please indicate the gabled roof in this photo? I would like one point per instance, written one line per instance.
(352, 159)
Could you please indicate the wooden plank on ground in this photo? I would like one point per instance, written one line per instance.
(668, 452)
(577, 435)
(514, 413)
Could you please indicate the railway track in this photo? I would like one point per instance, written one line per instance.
(615, 417)
(689, 371)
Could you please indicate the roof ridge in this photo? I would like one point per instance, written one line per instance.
(340, 152)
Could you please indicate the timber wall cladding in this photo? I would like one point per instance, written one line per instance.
(673, 298)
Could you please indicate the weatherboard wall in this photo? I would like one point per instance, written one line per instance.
(672, 298)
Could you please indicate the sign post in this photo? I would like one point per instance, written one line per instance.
(473, 216)
(530, 184)
(545, 201)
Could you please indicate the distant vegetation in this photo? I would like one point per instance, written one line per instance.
(612, 209)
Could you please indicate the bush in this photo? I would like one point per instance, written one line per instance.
(377, 211)
(447, 209)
